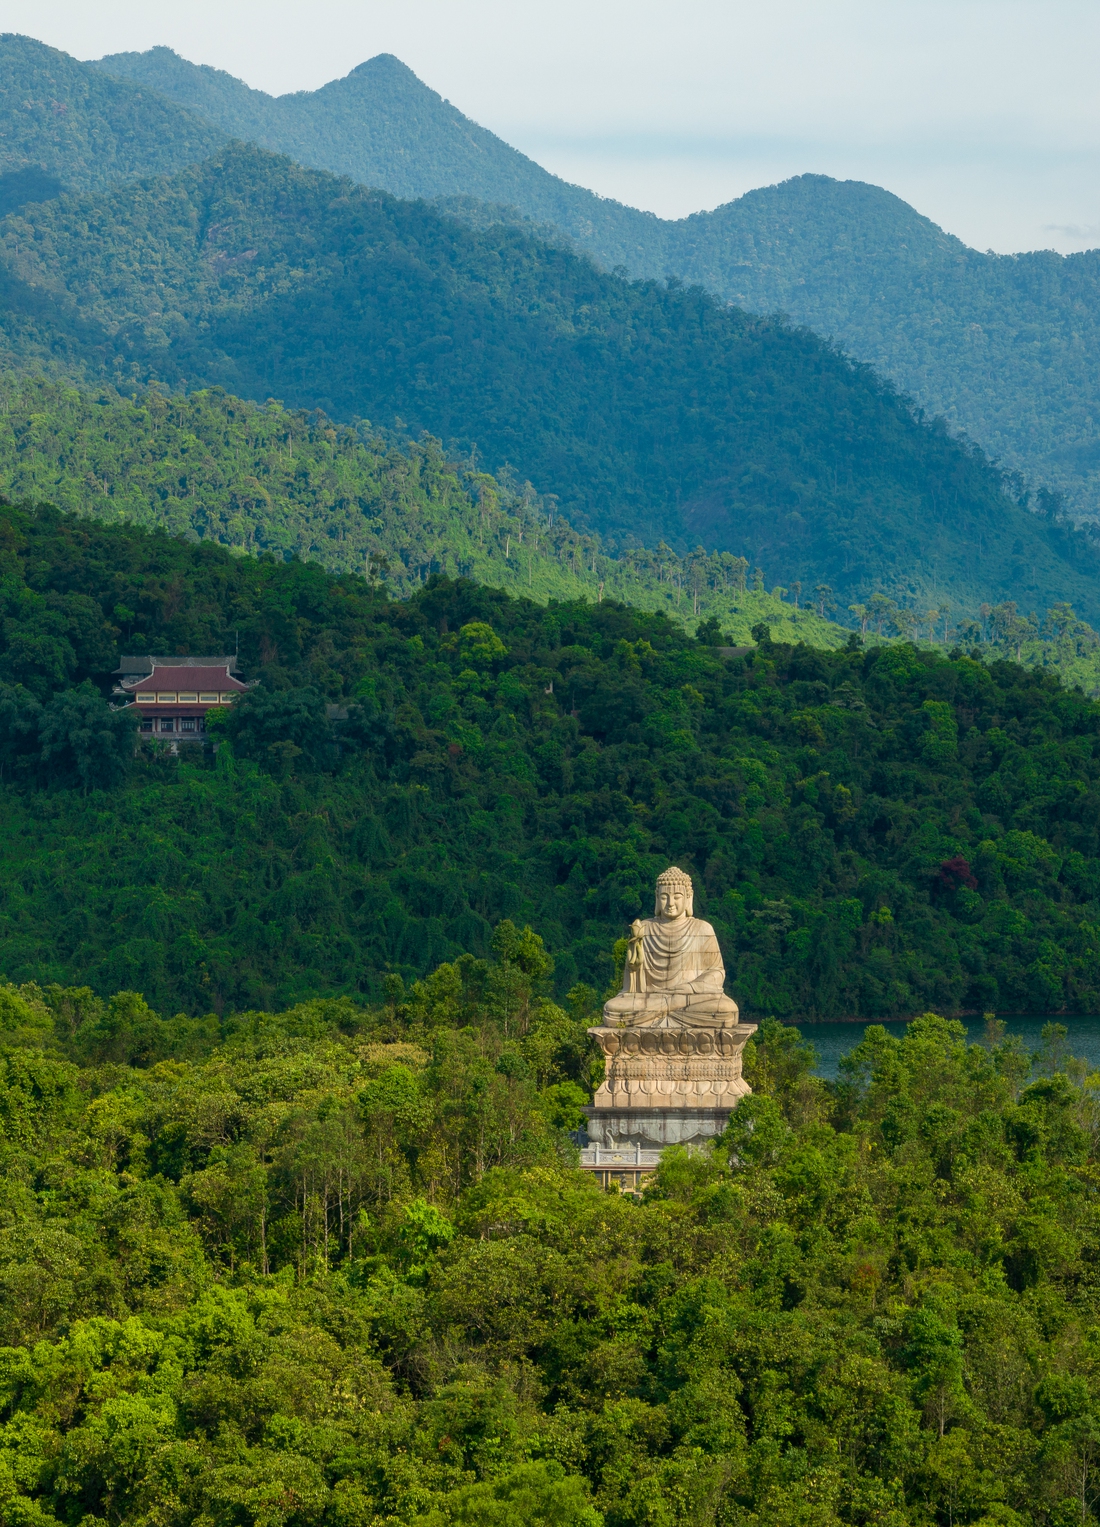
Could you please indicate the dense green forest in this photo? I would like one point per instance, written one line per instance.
(871, 831)
(383, 127)
(263, 478)
(998, 344)
(65, 124)
(335, 1267)
(72, 124)
(293, 1025)
(650, 412)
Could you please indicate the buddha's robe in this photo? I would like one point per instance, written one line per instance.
(674, 970)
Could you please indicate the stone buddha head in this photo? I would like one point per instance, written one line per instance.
(675, 895)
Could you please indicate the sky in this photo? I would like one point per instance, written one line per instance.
(983, 114)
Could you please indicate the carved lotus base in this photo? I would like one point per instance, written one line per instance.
(672, 1067)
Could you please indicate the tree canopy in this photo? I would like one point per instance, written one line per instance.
(871, 831)
(64, 125)
(998, 344)
(336, 1265)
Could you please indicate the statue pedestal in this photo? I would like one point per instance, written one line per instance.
(651, 1129)
(668, 1084)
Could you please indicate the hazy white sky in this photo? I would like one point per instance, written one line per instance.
(985, 114)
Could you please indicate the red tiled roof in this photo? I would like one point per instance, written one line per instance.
(184, 678)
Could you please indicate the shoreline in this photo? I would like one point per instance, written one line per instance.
(964, 1017)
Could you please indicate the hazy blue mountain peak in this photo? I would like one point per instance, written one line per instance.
(65, 123)
(389, 63)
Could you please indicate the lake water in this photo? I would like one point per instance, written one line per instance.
(832, 1040)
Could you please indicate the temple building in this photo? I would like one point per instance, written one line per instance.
(172, 695)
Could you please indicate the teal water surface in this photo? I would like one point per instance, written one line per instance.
(832, 1040)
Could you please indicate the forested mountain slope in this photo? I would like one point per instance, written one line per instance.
(384, 127)
(66, 125)
(263, 478)
(871, 832)
(1001, 345)
(267, 479)
(648, 411)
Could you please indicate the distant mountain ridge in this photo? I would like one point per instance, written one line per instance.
(1001, 346)
(65, 125)
(384, 127)
(650, 412)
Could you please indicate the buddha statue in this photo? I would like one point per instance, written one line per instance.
(671, 1038)
(673, 974)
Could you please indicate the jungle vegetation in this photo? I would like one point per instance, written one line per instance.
(336, 1266)
(263, 478)
(65, 125)
(291, 1228)
(999, 345)
(872, 831)
(209, 466)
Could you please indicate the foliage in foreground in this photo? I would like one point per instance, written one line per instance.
(335, 1267)
(871, 832)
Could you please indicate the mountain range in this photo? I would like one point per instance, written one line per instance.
(67, 126)
(294, 1231)
(651, 412)
(648, 411)
(999, 345)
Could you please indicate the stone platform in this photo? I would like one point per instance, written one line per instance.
(625, 1167)
(651, 1129)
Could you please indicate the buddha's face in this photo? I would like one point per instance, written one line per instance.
(673, 900)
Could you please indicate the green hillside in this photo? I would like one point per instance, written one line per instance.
(259, 479)
(293, 1025)
(266, 479)
(64, 124)
(1000, 345)
(871, 831)
(648, 411)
